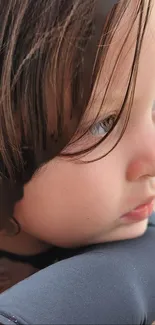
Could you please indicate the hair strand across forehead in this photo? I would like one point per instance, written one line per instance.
(51, 57)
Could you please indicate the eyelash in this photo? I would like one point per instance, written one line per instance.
(98, 128)
(106, 123)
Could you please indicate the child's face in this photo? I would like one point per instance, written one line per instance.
(70, 204)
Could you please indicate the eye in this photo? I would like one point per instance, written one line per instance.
(103, 127)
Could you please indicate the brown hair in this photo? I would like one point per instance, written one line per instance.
(51, 49)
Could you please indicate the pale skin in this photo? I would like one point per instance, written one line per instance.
(71, 204)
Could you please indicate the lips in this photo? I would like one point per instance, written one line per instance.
(142, 212)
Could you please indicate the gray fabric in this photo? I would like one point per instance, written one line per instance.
(113, 283)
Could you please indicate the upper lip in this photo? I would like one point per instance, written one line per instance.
(145, 202)
(149, 200)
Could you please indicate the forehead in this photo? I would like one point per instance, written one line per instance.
(123, 49)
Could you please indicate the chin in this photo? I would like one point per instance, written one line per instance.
(137, 229)
(125, 232)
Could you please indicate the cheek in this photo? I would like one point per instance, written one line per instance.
(65, 203)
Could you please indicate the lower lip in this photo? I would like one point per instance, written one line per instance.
(141, 213)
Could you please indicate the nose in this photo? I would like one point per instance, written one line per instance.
(142, 164)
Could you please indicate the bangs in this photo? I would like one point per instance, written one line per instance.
(52, 57)
(138, 22)
(50, 72)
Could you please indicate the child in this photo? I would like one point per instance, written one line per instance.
(77, 116)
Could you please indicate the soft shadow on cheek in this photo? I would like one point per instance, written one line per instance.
(37, 194)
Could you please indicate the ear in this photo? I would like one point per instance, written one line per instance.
(4, 277)
(10, 193)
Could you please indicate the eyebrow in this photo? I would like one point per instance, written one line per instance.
(108, 102)
(116, 98)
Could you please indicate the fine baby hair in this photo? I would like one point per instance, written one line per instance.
(51, 56)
